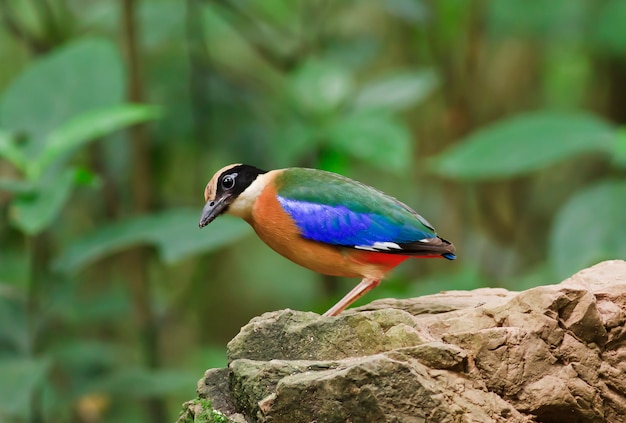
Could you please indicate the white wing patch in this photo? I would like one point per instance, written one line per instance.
(379, 246)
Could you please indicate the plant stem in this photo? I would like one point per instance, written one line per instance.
(39, 257)
(141, 194)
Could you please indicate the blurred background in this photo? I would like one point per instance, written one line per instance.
(501, 122)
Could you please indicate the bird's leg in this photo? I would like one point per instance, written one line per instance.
(357, 292)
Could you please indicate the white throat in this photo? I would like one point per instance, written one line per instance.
(242, 206)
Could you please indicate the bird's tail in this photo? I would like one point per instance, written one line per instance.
(432, 247)
(450, 249)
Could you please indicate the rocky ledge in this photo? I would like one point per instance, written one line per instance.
(549, 354)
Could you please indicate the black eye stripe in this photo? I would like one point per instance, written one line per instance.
(236, 179)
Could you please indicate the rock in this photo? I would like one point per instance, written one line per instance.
(550, 354)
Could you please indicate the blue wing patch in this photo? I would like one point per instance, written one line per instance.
(338, 225)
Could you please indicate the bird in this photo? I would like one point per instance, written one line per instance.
(325, 222)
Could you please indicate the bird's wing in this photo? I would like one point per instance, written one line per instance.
(335, 210)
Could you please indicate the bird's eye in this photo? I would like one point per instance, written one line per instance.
(228, 182)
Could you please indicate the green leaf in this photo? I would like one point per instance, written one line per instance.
(162, 23)
(619, 149)
(524, 144)
(174, 233)
(85, 355)
(74, 79)
(20, 376)
(83, 362)
(410, 11)
(14, 270)
(608, 30)
(32, 213)
(10, 151)
(228, 47)
(16, 186)
(14, 334)
(207, 357)
(182, 238)
(545, 21)
(273, 21)
(88, 127)
(566, 74)
(68, 305)
(398, 91)
(85, 177)
(589, 228)
(283, 14)
(320, 87)
(333, 160)
(292, 141)
(374, 137)
(143, 383)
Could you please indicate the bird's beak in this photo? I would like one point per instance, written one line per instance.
(212, 209)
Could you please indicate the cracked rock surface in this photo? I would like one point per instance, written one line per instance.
(553, 353)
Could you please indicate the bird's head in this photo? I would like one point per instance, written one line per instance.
(227, 192)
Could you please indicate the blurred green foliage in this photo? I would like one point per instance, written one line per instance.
(502, 122)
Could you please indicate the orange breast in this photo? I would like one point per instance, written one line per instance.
(276, 228)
